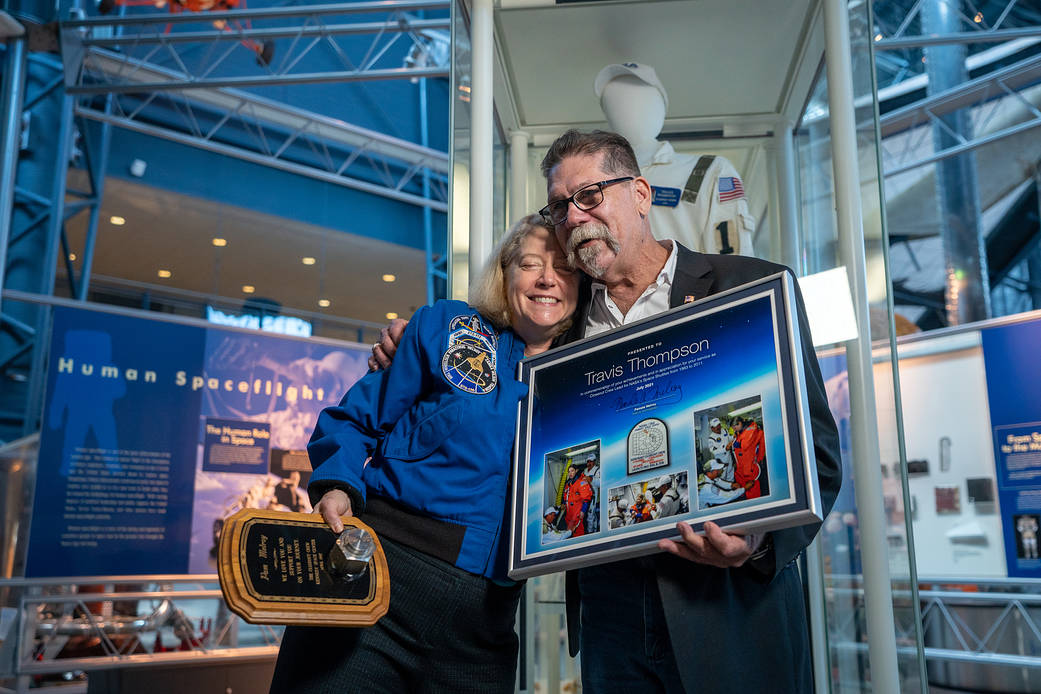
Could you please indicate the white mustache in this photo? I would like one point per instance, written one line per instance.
(589, 232)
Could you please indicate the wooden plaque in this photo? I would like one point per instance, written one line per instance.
(274, 568)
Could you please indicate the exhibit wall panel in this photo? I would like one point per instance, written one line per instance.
(155, 429)
(957, 526)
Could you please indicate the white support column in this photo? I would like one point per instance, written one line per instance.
(773, 217)
(518, 175)
(482, 168)
(789, 237)
(814, 580)
(878, 597)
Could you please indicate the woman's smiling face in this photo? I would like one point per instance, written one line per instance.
(541, 289)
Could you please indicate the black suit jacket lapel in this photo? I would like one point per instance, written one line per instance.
(578, 322)
(694, 277)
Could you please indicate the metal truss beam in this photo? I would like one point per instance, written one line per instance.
(957, 37)
(1021, 74)
(213, 58)
(279, 135)
(330, 9)
(979, 29)
(399, 73)
(1012, 603)
(269, 33)
(49, 620)
(1000, 84)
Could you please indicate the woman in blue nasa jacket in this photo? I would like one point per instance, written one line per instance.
(438, 427)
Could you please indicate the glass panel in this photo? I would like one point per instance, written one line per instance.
(958, 121)
(840, 540)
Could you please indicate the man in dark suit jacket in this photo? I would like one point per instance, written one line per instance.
(714, 613)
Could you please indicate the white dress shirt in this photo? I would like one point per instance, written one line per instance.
(605, 315)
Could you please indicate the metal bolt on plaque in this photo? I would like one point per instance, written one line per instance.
(351, 554)
(278, 567)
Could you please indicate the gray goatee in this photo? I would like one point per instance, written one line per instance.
(588, 257)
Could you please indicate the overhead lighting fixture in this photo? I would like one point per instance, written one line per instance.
(117, 220)
(220, 243)
(978, 18)
(308, 260)
(878, 37)
(324, 303)
(165, 274)
(389, 278)
(248, 289)
(72, 257)
(391, 315)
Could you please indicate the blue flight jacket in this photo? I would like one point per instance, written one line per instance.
(439, 426)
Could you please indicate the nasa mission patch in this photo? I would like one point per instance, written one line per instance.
(469, 362)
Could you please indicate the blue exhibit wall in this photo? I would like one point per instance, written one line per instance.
(155, 431)
(1014, 399)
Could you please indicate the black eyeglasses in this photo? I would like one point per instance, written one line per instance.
(584, 198)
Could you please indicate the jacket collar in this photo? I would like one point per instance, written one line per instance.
(694, 277)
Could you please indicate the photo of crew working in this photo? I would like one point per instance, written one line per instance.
(651, 499)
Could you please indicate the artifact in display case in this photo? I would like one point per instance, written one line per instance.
(697, 414)
(277, 567)
(948, 499)
(981, 489)
(1027, 527)
(698, 200)
(918, 467)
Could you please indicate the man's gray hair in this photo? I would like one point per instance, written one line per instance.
(619, 158)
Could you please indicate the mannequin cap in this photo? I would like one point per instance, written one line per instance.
(644, 73)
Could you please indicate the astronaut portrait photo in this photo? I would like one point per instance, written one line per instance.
(730, 450)
(656, 497)
(1027, 526)
(572, 493)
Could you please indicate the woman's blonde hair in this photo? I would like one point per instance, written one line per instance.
(488, 290)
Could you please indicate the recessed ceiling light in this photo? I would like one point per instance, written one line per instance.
(391, 315)
(389, 278)
(117, 221)
(72, 257)
(324, 303)
(165, 273)
(220, 243)
(248, 289)
(307, 260)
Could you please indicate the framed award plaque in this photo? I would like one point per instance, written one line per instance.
(279, 567)
(697, 414)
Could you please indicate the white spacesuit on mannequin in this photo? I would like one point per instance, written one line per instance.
(697, 200)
